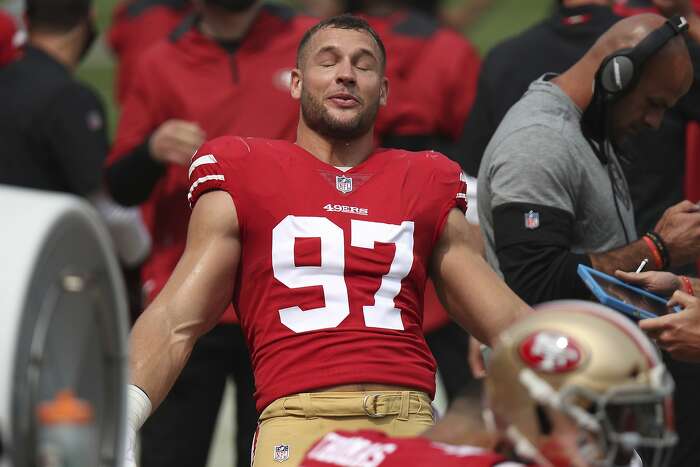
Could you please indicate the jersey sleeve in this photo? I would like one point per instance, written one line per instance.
(451, 184)
(214, 166)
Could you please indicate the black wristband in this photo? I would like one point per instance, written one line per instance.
(661, 246)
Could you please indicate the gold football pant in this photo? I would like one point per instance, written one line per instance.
(289, 426)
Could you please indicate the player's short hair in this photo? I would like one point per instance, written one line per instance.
(345, 21)
(56, 15)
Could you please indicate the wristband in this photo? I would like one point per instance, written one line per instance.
(661, 246)
(138, 407)
(687, 286)
(655, 254)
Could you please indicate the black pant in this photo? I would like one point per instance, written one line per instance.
(180, 431)
(450, 347)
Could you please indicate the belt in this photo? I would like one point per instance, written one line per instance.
(375, 404)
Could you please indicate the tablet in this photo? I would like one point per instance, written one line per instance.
(634, 302)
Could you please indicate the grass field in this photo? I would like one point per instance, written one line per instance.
(504, 19)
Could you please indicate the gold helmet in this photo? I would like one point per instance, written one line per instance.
(594, 368)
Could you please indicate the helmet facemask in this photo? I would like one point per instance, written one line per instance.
(612, 426)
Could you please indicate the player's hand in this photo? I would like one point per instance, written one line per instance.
(175, 141)
(678, 333)
(476, 359)
(679, 228)
(658, 282)
(669, 8)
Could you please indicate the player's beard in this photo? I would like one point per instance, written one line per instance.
(318, 119)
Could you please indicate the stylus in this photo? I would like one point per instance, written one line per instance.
(641, 265)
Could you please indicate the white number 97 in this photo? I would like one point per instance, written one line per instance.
(330, 274)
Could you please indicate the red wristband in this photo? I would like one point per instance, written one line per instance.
(687, 286)
(655, 253)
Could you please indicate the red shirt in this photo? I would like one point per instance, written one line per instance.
(137, 25)
(433, 73)
(192, 78)
(333, 263)
(376, 449)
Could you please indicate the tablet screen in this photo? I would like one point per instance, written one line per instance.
(630, 297)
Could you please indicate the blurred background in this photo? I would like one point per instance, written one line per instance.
(500, 19)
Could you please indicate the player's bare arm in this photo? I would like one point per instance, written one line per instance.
(473, 294)
(193, 300)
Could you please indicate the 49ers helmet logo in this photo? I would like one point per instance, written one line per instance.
(551, 352)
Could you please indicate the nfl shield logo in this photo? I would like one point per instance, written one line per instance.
(281, 453)
(532, 220)
(343, 184)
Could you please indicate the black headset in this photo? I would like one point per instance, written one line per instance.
(621, 70)
(618, 74)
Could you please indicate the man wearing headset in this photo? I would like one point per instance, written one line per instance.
(551, 192)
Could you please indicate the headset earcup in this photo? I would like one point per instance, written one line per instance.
(616, 74)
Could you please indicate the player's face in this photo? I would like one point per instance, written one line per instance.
(563, 446)
(341, 83)
(664, 81)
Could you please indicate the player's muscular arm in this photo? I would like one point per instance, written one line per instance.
(192, 301)
(474, 295)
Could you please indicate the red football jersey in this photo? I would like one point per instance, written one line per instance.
(333, 264)
(368, 448)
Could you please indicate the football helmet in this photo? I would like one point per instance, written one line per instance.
(594, 368)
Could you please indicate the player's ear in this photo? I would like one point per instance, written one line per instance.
(384, 92)
(295, 85)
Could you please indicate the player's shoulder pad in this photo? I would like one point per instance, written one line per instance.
(214, 162)
(225, 149)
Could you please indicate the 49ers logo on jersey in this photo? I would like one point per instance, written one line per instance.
(551, 352)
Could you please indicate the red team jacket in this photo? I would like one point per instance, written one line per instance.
(332, 263)
(433, 73)
(136, 25)
(368, 448)
(190, 77)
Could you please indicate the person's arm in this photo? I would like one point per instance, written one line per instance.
(678, 333)
(661, 282)
(193, 299)
(472, 293)
(147, 138)
(173, 142)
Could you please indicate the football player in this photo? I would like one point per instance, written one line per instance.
(574, 384)
(324, 246)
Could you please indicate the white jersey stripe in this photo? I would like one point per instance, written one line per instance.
(202, 180)
(202, 160)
